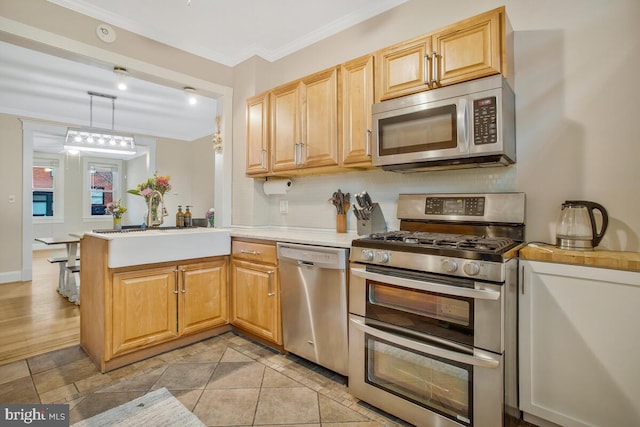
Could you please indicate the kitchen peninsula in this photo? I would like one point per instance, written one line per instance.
(149, 291)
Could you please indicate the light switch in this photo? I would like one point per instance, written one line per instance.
(12, 198)
(284, 206)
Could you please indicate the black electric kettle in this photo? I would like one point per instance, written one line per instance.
(576, 228)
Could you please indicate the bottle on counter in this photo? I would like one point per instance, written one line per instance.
(187, 217)
(180, 217)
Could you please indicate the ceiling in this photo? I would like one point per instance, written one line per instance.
(231, 31)
(42, 86)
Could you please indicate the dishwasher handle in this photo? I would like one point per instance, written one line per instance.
(330, 258)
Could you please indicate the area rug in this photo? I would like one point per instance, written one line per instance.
(156, 409)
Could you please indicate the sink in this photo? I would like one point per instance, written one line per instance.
(137, 229)
(164, 244)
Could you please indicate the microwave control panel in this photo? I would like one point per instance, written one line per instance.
(485, 121)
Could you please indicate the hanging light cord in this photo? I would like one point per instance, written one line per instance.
(113, 107)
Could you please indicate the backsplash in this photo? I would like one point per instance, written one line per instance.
(309, 205)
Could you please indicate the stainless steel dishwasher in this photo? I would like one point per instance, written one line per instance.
(313, 286)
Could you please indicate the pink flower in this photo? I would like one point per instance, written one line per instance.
(145, 192)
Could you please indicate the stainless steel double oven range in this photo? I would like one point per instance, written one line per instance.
(433, 310)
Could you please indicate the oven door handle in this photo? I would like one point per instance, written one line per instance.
(487, 294)
(480, 360)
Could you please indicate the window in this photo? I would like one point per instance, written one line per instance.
(46, 188)
(102, 185)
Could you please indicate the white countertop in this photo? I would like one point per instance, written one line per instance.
(307, 236)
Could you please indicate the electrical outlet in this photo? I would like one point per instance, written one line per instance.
(284, 206)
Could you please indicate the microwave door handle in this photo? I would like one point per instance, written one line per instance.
(462, 122)
(486, 294)
(480, 360)
(367, 148)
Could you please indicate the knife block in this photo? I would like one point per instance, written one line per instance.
(375, 224)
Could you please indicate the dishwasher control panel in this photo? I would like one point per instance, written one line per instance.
(321, 256)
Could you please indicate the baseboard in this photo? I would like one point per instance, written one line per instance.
(540, 422)
(10, 276)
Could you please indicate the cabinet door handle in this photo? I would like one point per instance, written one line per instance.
(175, 272)
(367, 148)
(434, 75)
(184, 290)
(300, 158)
(270, 292)
(427, 70)
(245, 251)
(295, 153)
(522, 278)
(263, 154)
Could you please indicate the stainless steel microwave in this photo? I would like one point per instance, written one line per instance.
(470, 124)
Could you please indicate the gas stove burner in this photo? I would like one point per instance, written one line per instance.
(443, 240)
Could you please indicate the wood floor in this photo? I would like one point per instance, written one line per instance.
(34, 318)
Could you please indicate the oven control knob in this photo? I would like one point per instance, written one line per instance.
(382, 257)
(449, 265)
(472, 268)
(367, 255)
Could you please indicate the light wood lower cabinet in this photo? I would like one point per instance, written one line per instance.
(255, 290)
(128, 314)
(144, 309)
(159, 304)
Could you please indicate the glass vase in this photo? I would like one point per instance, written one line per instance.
(117, 223)
(155, 204)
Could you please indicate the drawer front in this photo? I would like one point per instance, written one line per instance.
(260, 252)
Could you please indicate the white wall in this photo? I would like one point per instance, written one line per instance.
(576, 88)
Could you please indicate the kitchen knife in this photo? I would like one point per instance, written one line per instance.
(367, 200)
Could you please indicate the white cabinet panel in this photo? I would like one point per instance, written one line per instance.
(580, 344)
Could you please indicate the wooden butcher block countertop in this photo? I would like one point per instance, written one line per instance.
(596, 258)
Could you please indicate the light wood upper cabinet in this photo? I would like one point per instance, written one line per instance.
(320, 119)
(321, 123)
(285, 132)
(356, 92)
(304, 123)
(403, 68)
(258, 153)
(476, 47)
(471, 49)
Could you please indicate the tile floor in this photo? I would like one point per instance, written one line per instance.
(225, 381)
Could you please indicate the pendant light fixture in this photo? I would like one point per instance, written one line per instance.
(99, 140)
(121, 80)
(191, 95)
